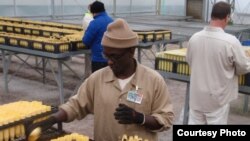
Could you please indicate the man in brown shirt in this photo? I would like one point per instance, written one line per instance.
(125, 97)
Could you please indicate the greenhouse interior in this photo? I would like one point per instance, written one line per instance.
(46, 63)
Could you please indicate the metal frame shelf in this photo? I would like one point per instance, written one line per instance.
(59, 57)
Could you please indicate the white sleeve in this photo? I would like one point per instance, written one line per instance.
(242, 61)
(86, 20)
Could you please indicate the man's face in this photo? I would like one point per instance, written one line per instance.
(119, 60)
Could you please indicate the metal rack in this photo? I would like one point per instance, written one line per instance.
(59, 57)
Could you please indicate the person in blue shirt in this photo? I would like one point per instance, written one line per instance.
(94, 33)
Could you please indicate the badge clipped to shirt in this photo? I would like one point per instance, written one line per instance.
(134, 96)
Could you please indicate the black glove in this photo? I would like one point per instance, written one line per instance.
(127, 115)
(44, 125)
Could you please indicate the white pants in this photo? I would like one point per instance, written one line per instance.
(219, 116)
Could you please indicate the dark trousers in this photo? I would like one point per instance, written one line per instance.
(98, 65)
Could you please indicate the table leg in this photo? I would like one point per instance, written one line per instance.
(36, 62)
(44, 68)
(60, 81)
(148, 57)
(186, 105)
(245, 105)
(139, 54)
(5, 73)
(160, 47)
(87, 65)
(87, 72)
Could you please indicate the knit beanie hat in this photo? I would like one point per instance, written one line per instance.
(97, 7)
(119, 35)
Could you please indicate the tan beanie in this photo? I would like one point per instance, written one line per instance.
(119, 35)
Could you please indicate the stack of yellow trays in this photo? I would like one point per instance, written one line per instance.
(13, 113)
(75, 39)
(174, 61)
(34, 42)
(42, 36)
(163, 35)
(154, 35)
(147, 36)
(31, 29)
(40, 23)
(72, 137)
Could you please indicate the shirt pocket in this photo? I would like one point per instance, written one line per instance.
(145, 106)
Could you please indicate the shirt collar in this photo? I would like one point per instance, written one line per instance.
(213, 29)
(111, 77)
(99, 14)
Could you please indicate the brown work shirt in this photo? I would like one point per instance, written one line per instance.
(100, 95)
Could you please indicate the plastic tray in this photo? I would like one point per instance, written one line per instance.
(51, 47)
(181, 67)
(162, 35)
(77, 45)
(146, 36)
(57, 47)
(18, 42)
(155, 35)
(26, 122)
(168, 65)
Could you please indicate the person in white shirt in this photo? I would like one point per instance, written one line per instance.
(87, 18)
(216, 60)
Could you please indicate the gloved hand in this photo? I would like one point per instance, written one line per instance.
(127, 115)
(43, 125)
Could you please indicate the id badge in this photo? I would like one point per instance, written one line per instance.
(133, 96)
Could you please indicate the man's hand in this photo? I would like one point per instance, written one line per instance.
(42, 126)
(127, 115)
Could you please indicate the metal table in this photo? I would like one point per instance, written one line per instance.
(59, 57)
(185, 78)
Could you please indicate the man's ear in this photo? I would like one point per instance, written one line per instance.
(228, 18)
(132, 51)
